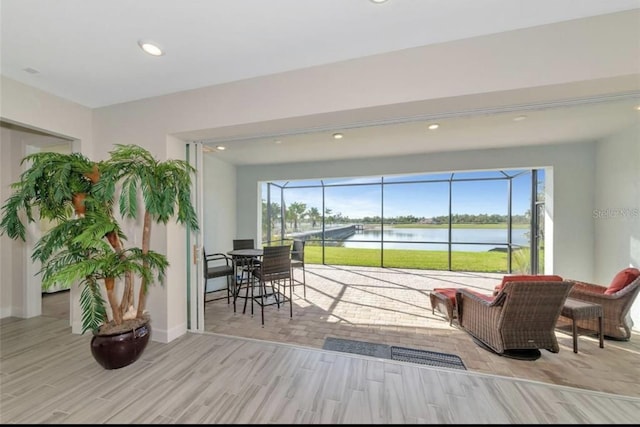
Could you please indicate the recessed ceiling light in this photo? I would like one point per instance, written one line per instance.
(433, 126)
(338, 136)
(221, 147)
(151, 48)
(519, 118)
(638, 107)
(277, 141)
(378, 1)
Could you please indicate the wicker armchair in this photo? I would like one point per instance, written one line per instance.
(521, 318)
(616, 319)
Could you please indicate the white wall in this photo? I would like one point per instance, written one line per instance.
(169, 314)
(30, 107)
(12, 259)
(572, 188)
(617, 209)
(6, 258)
(219, 221)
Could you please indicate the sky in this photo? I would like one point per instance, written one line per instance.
(417, 199)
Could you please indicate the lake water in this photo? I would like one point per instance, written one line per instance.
(488, 237)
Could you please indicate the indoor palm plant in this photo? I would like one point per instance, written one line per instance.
(87, 202)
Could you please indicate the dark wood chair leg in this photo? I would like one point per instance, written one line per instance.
(574, 330)
(600, 334)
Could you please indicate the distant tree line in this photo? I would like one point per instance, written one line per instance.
(297, 212)
(481, 219)
(444, 219)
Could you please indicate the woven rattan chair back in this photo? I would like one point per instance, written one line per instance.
(616, 308)
(243, 244)
(522, 316)
(275, 271)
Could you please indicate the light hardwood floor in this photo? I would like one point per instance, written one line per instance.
(47, 374)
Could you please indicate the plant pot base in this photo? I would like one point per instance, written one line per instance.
(119, 350)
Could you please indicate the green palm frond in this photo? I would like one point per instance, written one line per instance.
(129, 197)
(48, 184)
(94, 227)
(94, 312)
(165, 187)
(77, 234)
(70, 266)
(11, 223)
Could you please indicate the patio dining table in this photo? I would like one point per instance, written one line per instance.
(244, 262)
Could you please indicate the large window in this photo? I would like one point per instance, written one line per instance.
(463, 221)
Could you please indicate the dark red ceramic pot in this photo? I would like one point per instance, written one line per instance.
(118, 350)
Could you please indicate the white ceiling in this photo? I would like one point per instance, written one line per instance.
(86, 51)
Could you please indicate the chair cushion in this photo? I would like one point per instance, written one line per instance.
(220, 271)
(451, 294)
(528, 278)
(622, 279)
(448, 292)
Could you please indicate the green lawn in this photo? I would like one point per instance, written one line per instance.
(494, 262)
